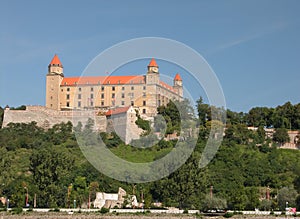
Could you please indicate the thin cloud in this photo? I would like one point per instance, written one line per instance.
(275, 28)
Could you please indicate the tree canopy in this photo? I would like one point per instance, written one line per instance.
(50, 165)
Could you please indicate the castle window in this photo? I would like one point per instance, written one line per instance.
(79, 89)
(113, 88)
(123, 95)
(102, 96)
(144, 103)
(123, 103)
(144, 87)
(131, 95)
(123, 88)
(144, 111)
(68, 104)
(68, 96)
(102, 88)
(132, 103)
(62, 90)
(79, 104)
(144, 94)
(132, 88)
(92, 89)
(68, 89)
(112, 95)
(79, 96)
(92, 103)
(102, 103)
(92, 96)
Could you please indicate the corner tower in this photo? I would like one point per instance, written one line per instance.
(53, 80)
(178, 85)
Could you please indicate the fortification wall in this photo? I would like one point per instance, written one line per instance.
(46, 118)
(123, 124)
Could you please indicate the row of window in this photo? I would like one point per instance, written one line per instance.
(113, 88)
(113, 95)
(102, 103)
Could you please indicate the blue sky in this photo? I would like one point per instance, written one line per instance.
(253, 46)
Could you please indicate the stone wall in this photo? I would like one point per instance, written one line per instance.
(123, 124)
(46, 117)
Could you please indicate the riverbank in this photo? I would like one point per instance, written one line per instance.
(64, 215)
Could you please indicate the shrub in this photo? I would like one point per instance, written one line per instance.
(17, 210)
(104, 210)
(228, 214)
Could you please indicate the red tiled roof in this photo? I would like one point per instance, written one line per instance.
(165, 85)
(132, 79)
(117, 111)
(153, 63)
(177, 77)
(55, 61)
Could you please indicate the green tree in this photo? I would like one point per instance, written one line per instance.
(50, 168)
(287, 197)
(203, 111)
(1, 116)
(213, 203)
(281, 136)
(80, 190)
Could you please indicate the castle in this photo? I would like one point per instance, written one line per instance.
(146, 92)
(111, 101)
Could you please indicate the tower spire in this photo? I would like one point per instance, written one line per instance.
(152, 63)
(55, 61)
(55, 66)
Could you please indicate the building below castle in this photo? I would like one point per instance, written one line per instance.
(145, 92)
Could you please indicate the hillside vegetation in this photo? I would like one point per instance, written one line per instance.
(247, 167)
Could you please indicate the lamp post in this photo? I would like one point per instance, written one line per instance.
(7, 203)
(74, 203)
(26, 199)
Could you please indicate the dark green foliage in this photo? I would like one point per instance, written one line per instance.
(174, 113)
(17, 210)
(203, 111)
(22, 107)
(228, 214)
(143, 124)
(104, 210)
(213, 203)
(1, 116)
(287, 197)
(281, 136)
(48, 162)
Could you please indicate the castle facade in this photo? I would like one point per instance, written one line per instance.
(144, 92)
